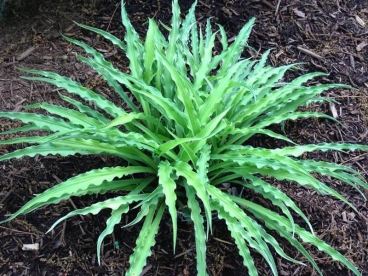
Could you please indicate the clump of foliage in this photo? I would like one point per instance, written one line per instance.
(183, 133)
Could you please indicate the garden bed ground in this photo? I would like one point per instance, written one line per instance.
(329, 36)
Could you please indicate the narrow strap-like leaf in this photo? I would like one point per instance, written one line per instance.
(192, 179)
(199, 233)
(76, 88)
(31, 139)
(185, 92)
(116, 41)
(43, 122)
(284, 232)
(239, 237)
(145, 241)
(75, 117)
(302, 233)
(165, 171)
(134, 46)
(145, 205)
(85, 109)
(252, 233)
(114, 219)
(76, 186)
(297, 151)
(277, 197)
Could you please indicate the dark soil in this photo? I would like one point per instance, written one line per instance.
(328, 36)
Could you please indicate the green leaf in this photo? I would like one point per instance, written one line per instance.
(271, 219)
(151, 201)
(43, 149)
(145, 241)
(42, 122)
(75, 186)
(149, 50)
(199, 233)
(31, 139)
(123, 119)
(74, 87)
(203, 163)
(165, 171)
(113, 203)
(192, 179)
(185, 92)
(299, 150)
(252, 233)
(239, 235)
(110, 223)
(85, 109)
(116, 41)
(277, 197)
(134, 47)
(75, 117)
(280, 230)
(232, 53)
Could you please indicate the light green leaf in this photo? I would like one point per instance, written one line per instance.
(271, 219)
(31, 139)
(277, 197)
(252, 233)
(74, 87)
(239, 235)
(85, 109)
(116, 41)
(75, 117)
(192, 179)
(165, 171)
(297, 151)
(41, 121)
(110, 223)
(113, 203)
(134, 46)
(123, 119)
(145, 241)
(185, 92)
(76, 186)
(199, 234)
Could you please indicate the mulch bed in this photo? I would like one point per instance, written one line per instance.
(329, 36)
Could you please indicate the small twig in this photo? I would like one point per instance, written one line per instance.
(75, 207)
(309, 53)
(268, 4)
(10, 63)
(277, 7)
(183, 253)
(25, 54)
(356, 158)
(62, 236)
(112, 16)
(219, 240)
(17, 231)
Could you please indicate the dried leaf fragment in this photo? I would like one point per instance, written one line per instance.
(299, 13)
(31, 246)
(361, 45)
(360, 21)
(334, 110)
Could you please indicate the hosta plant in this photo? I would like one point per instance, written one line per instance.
(190, 109)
